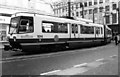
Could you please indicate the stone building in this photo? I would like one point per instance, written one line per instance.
(99, 11)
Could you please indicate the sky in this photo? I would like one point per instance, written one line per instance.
(42, 5)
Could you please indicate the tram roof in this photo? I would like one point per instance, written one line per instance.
(56, 19)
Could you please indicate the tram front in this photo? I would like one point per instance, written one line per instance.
(20, 29)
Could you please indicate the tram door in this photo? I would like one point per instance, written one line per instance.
(74, 31)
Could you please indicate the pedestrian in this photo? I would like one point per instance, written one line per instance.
(116, 40)
(118, 37)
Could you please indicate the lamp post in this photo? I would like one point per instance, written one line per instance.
(69, 8)
(93, 16)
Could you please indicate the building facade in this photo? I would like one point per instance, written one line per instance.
(99, 11)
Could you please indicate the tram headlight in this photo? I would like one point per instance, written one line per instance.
(14, 38)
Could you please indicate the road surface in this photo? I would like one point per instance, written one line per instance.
(91, 61)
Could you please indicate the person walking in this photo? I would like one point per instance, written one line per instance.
(116, 40)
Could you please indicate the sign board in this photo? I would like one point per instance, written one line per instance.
(5, 20)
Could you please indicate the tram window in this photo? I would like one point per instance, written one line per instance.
(74, 28)
(101, 30)
(97, 30)
(87, 29)
(26, 26)
(54, 27)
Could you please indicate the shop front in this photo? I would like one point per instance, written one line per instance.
(4, 23)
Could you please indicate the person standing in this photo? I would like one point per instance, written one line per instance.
(118, 37)
(116, 40)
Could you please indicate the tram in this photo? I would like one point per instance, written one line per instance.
(33, 32)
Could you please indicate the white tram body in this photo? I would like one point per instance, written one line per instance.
(29, 31)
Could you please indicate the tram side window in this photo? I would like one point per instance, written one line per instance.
(54, 27)
(26, 26)
(74, 28)
(97, 30)
(109, 32)
(87, 29)
(101, 30)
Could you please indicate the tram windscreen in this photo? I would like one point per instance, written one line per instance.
(21, 24)
(13, 28)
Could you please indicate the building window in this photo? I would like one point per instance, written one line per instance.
(76, 6)
(101, 9)
(85, 12)
(90, 11)
(81, 13)
(114, 18)
(72, 7)
(90, 3)
(107, 19)
(57, 11)
(107, 8)
(114, 6)
(106, 1)
(72, 14)
(63, 10)
(95, 2)
(66, 9)
(101, 1)
(85, 4)
(95, 10)
(77, 14)
(81, 5)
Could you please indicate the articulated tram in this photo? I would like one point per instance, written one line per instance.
(33, 32)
